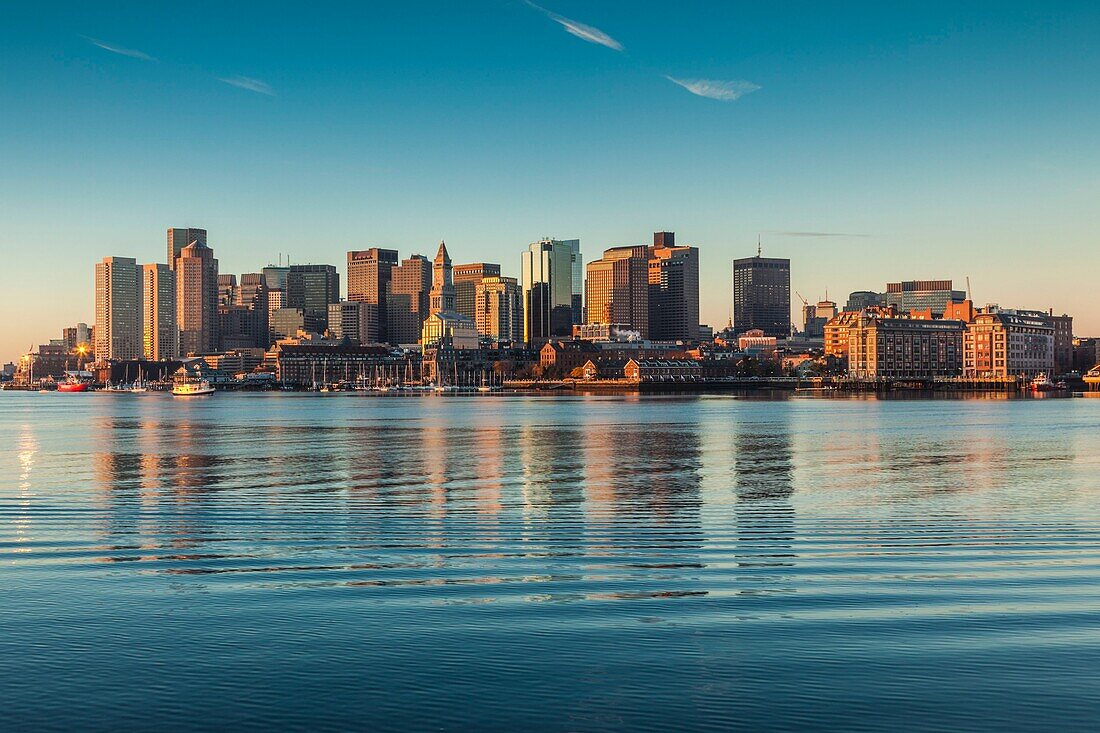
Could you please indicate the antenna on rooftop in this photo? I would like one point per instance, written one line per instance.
(968, 295)
(759, 247)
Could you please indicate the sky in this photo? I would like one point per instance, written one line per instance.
(866, 141)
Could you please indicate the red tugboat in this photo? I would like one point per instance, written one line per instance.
(72, 383)
(1042, 383)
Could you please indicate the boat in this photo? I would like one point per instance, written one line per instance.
(73, 383)
(1042, 383)
(191, 387)
(72, 386)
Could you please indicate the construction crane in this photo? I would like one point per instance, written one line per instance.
(804, 301)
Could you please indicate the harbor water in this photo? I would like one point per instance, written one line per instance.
(569, 563)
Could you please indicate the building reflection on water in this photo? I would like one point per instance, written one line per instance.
(763, 456)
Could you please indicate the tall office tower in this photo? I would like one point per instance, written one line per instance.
(227, 289)
(407, 300)
(369, 273)
(160, 332)
(441, 299)
(762, 295)
(197, 299)
(117, 315)
(252, 294)
(922, 295)
(466, 278)
(547, 276)
(275, 277)
(673, 290)
(617, 288)
(179, 238)
(576, 302)
(313, 288)
(499, 308)
(274, 303)
(354, 320)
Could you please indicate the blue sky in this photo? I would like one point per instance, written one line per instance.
(954, 141)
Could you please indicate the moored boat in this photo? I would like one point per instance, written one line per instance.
(189, 387)
(1043, 383)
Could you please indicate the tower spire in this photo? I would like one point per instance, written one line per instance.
(759, 246)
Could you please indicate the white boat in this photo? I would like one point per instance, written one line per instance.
(191, 387)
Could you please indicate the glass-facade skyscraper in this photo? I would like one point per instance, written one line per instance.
(551, 291)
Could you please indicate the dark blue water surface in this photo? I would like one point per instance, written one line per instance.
(324, 562)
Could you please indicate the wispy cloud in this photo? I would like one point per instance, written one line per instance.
(818, 234)
(725, 91)
(580, 30)
(132, 53)
(252, 85)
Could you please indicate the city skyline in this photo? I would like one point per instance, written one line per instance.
(871, 152)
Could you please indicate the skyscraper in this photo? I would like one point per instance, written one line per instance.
(547, 269)
(617, 288)
(762, 295)
(117, 316)
(313, 288)
(252, 294)
(354, 320)
(274, 277)
(369, 273)
(160, 331)
(178, 238)
(673, 290)
(407, 300)
(466, 278)
(499, 308)
(227, 289)
(197, 299)
(576, 300)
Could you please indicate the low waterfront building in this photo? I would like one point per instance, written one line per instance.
(566, 355)
(234, 361)
(1009, 343)
(603, 369)
(308, 365)
(882, 346)
(663, 370)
